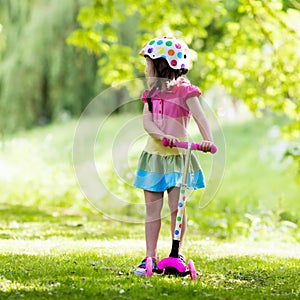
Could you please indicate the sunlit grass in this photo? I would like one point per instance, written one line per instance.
(55, 245)
(57, 269)
(258, 195)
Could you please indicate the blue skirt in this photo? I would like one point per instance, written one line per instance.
(157, 173)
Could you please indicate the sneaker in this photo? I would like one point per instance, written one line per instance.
(181, 257)
(141, 269)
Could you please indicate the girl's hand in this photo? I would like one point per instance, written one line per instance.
(205, 146)
(172, 140)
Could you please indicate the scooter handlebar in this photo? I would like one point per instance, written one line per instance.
(185, 145)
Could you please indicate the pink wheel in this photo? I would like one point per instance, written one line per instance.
(192, 269)
(149, 267)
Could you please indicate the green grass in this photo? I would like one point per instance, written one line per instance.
(55, 245)
(52, 255)
(61, 268)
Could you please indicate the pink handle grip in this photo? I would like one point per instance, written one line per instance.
(184, 145)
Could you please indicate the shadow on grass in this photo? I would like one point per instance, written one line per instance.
(18, 221)
(21, 213)
(105, 271)
(86, 275)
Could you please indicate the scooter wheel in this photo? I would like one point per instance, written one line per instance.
(192, 269)
(149, 267)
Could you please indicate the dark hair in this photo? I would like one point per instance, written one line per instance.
(163, 73)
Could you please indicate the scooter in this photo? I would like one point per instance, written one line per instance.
(173, 265)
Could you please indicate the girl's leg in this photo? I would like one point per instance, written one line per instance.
(173, 197)
(154, 204)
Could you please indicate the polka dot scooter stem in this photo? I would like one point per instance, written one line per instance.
(173, 264)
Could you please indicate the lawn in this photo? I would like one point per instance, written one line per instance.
(47, 255)
(55, 245)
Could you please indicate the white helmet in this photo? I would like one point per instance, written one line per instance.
(175, 51)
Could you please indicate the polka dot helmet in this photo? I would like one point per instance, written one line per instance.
(175, 51)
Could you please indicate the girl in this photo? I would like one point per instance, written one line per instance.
(169, 103)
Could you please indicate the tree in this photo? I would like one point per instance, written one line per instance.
(250, 47)
(41, 77)
(261, 66)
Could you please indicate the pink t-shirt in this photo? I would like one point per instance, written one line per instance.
(169, 109)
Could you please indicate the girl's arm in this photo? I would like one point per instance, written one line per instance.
(151, 127)
(201, 121)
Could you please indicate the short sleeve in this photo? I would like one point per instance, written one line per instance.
(189, 90)
(145, 95)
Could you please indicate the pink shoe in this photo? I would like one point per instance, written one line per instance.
(141, 269)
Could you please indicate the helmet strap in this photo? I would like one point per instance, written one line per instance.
(149, 99)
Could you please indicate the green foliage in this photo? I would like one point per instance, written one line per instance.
(2, 38)
(261, 66)
(249, 47)
(103, 30)
(42, 79)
